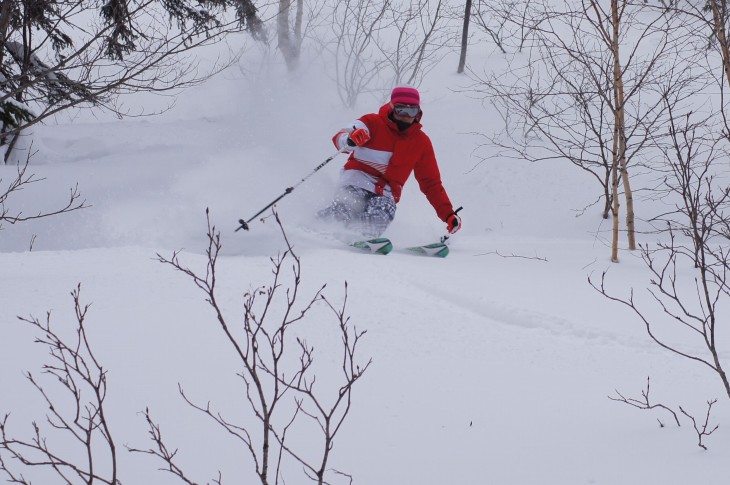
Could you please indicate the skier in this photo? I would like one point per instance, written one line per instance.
(385, 147)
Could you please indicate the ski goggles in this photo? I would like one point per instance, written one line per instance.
(409, 110)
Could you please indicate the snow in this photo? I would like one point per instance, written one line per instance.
(492, 366)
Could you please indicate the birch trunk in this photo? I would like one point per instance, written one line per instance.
(614, 190)
(620, 120)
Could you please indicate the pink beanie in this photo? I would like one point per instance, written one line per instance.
(405, 95)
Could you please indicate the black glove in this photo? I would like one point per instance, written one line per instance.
(453, 223)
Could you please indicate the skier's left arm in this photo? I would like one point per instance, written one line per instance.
(428, 175)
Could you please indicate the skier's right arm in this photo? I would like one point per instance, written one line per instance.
(348, 138)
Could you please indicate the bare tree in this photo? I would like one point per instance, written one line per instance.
(703, 429)
(697, 231)
(709, 25)
(89, 454)
(423, 35)
(166, 455)
(508, 23)
(688, 267)
(644, 403)
(59, 55)
(21, 180)
(579, 97)
(383, 43)
(358, 67)
(277, 369)
(611, 32)
(693, 309)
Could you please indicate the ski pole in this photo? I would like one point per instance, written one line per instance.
(289, 190)
(446, 237)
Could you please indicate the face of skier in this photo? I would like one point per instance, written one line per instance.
(405, 112)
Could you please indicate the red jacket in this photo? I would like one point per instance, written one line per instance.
(393, 155)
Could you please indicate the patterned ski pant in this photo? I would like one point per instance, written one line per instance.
(361, 211)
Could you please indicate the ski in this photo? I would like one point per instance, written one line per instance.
(383, 245)
(379, 245)
(437, 250)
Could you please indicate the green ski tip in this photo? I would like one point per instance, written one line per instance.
(379, 245)
(438, 250)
